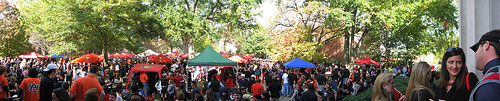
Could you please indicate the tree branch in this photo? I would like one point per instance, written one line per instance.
(213, 9)
(334, 36)
(187, 4)
(194, 6)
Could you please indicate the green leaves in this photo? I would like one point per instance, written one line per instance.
(204, 20)
(13, 38)
(257, 43)
(83, 25)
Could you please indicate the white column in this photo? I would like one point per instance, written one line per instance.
(476, 18)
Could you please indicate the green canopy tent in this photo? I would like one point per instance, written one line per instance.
(210, 58)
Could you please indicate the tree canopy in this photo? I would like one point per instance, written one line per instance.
(396, 29)
(13, 38)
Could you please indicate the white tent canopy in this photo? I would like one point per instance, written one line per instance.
(147, 53)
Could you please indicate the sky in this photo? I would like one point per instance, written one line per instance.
(268, 11)
(10, 1)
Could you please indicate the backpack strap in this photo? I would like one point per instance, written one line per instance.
(467, 81)
(484, 80)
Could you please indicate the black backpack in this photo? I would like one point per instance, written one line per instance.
(224, 93)
(214, 85)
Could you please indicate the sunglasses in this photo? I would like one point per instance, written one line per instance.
(454, 49)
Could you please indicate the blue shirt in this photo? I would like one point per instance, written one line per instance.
(489, 91)
(171, 88)
(334, 85)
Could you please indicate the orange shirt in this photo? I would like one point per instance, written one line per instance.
(144, 78)
(315, 83)
(31, 88)
(81, 85)
(4, 82)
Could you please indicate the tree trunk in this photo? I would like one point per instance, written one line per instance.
(352, 34)
(105, 55)
(190, 47)
(171, 47)
(224, 45)
(346, 47)
(185, 49)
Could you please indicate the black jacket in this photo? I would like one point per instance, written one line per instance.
(456, 94)
(47, 84)
(421, 95)
(275, 88)
(292, 78)
(309, 95)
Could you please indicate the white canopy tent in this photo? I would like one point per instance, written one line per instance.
(147, 53)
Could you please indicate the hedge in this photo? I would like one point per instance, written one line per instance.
(400, 82)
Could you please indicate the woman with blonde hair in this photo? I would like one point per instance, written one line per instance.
(382, 87)
(419, 88)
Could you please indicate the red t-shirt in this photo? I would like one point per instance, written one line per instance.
(4, 82)
(106, 98)
(257, 89)
(31, 88)
(230, 83)
(178, 80)
(144, 78)
(81, 85)
(218, 78)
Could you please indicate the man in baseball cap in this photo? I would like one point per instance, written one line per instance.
(487, 52)
(50, 67)
(47, 82)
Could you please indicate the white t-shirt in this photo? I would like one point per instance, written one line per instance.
(117, 67)
(285, 76)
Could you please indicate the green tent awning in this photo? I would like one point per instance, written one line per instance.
(210, 58)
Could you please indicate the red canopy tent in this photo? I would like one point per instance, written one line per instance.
(33, 55)
(390, 60)
(160, 58)
(89, 58)
(145, 68)
(116, 55)
(225, 55)
(238, 59)
(246, 56)
(185, 56)
(367, 61)
(126, 55)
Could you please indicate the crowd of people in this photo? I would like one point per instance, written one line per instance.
(257, 80)
(59, 79)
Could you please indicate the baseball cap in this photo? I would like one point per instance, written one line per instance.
(491, 36)
(50, 66)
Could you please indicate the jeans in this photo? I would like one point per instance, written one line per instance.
(295, 92)
(145, 90)
(286, 90)
(217, 97)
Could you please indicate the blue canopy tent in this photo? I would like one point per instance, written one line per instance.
(54, 56)
(299, 63)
